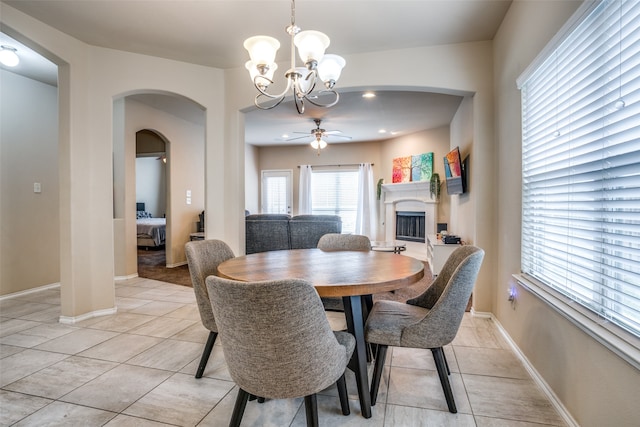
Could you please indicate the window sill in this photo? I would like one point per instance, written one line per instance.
(613, 337)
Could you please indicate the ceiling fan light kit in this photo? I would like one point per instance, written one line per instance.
(319, 68)
(319, 135)
(8, 56)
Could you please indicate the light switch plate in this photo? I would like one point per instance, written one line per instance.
(37, 187)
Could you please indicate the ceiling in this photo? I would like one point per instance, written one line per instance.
(211, 33)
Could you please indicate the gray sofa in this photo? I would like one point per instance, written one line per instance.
(272, 232)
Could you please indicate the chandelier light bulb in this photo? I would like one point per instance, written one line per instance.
(329, 69)
(255, 71)
(262, 49)
(8, 56)
(311, 46)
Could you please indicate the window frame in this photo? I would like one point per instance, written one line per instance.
(324, 170)
(616, 338)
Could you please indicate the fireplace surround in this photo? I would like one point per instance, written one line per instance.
(409, 197)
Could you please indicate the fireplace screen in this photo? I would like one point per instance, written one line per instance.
(410, 226)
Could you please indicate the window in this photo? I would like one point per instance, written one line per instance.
(581, 166)
(336, 193)
(276, 191)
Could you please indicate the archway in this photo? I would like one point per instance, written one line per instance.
(177, 126)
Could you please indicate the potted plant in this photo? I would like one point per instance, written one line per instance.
(434, 186)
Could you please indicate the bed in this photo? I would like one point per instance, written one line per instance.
(151, 231)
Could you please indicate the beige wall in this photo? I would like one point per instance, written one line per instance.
(29, 233)
(595, 385)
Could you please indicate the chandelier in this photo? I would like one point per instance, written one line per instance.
(318, 67)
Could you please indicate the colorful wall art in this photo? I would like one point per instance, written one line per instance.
(421, 167)
(413, 168)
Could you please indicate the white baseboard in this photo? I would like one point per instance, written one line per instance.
(178, 264)
(30, 291)
(121, 278)
(67, 320)
(537, 378)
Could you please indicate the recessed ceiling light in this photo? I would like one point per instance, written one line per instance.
(382, 131)
(368, 95)
(284, 135)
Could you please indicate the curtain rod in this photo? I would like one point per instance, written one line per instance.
(346, 164)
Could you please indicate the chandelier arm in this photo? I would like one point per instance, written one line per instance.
(267, 107)
(267, 94)
(323, 105)
(299, 104)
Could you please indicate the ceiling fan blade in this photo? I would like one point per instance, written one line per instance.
(332, 132)
(298, 137)
(338, 136)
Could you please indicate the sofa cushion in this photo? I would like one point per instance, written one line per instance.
(268, 232)
(306, 230)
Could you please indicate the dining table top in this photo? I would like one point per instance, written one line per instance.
(333, 273)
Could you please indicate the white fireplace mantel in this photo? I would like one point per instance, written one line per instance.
(410, 197)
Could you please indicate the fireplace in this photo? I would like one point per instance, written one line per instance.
(410, 226)
(409, 203)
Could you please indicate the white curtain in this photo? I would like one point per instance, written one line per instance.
(366, 217)
(304, 189)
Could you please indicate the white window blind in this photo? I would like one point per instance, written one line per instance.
(581, 165)
(336, 193)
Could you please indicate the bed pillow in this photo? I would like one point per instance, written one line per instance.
(143, 214)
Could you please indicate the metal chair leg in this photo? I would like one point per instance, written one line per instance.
(211, 340)
(238, 409)
(311, 409)
(342, 393)
(381, 355)
(438, 357)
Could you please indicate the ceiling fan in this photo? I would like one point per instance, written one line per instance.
(319, 136)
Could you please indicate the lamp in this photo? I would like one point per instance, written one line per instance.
(301, 80)
(8, 56)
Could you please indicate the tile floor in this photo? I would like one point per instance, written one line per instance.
(136, 368)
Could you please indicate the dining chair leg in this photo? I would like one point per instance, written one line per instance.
(444, 357)
(311, 409)
(381, 355)
(438, 357)
(342, 393)
(206, 353)
(238, 409)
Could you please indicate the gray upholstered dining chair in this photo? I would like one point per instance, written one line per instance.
(344, 242)
(430, 320)
(341, 242)
(203, 258)
(277, 342)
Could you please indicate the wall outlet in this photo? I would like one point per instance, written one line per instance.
(37, 187)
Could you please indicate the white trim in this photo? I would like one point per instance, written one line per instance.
(613, 337)
(576, 19)
(67, 320)
(537, 378)
(121, 278)
(30, 291)
(177, 264)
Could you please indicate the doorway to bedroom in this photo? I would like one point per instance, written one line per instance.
(151, 201)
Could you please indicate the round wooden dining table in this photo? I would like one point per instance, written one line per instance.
(352, 275)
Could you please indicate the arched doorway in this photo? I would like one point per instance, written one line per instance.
(169, 127)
